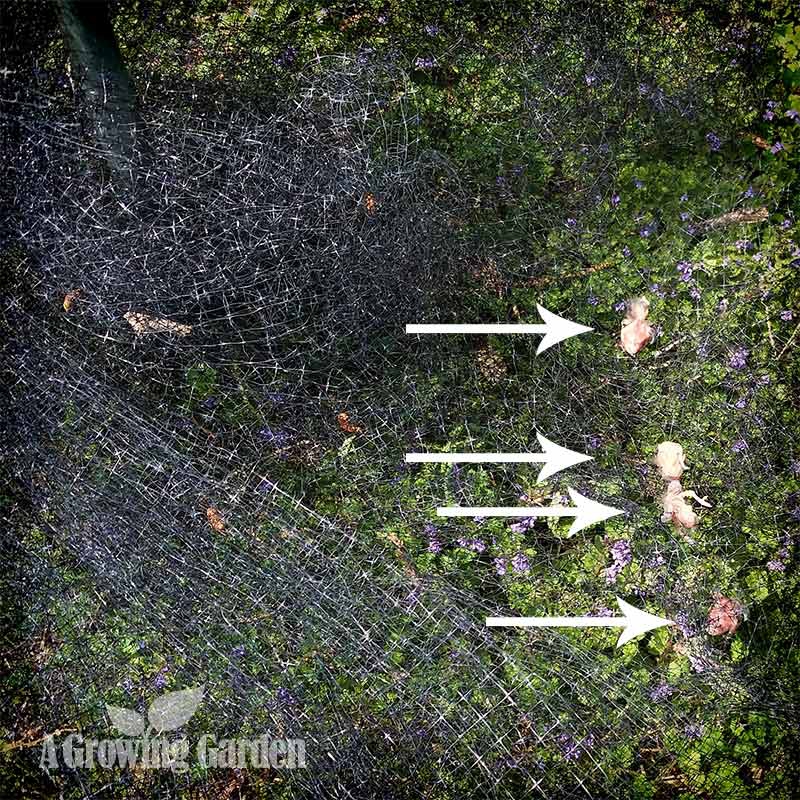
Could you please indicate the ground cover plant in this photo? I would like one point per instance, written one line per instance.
(214, 238)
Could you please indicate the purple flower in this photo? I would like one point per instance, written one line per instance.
(738, 359)
(776, 148)
(590, 79)
(594, 441)
(434, 546)
(684, 198)
(743, 245)
(615, 198)
(768, 116)
(714, 142)
(238, 651)
(265, 485)
(685, 269)
(520, 563)
(661, 692)
(428, 62)
(739, 446)
(787, 315)
(603, 611)
(621, 554)
(285, 697)
(277, 438)
(741, 402)
(793, 114)
(620, 306)
(571, 222)
(693, 731)
(638, 183)
(592, 300)
(750, 192)
(500, 566)
(626, 251)
(479, 520)
(210, 402)
(656, 289)
(776, 566)
(694, 292)
(685, 215)
(522, 525)
(432, 30)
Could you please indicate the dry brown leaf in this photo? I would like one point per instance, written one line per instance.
(144, 323)
(370, 203)
(70, 297)
(343, 419)
(215, 519)
(747, 216)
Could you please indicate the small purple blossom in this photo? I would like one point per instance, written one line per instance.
(638, 183)
(661, 692)
(432, 30)
(626, 251)
(571, 222)
(684, 197)
(739, 446)
(685, 269)
(694, 292)
(776, 566)
(620, 306)
(714, 142)
(522, 525)
(500, 566)
(615, 199)
(738, 359)
(590, 79)
(693, 731)
(776, 148)
(426, 62)
(787, 315)
(520, 563)
(749, 192)
(621, 554)
(592, 300)
(685, 216)
(594, 441)
(793, 114)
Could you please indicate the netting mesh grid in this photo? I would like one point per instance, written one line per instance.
(210, 397)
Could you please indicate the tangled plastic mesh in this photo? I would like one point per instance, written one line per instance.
(182, 336)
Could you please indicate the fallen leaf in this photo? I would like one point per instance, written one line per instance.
(343, 419)
(215, 519)
(70, 297)
(144, 323)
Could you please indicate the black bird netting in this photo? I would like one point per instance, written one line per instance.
(211, 393)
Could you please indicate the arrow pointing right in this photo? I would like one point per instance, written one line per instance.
(554, 458)
(634, 622)
(586, 512)
(555, 328)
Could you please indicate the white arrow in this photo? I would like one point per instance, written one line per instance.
(555, 329)
(634, 622)
(554, 458)
(586, 512)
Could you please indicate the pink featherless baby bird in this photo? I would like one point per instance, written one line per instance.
(636, 331)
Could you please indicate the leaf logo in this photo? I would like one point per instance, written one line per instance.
(166, 713)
